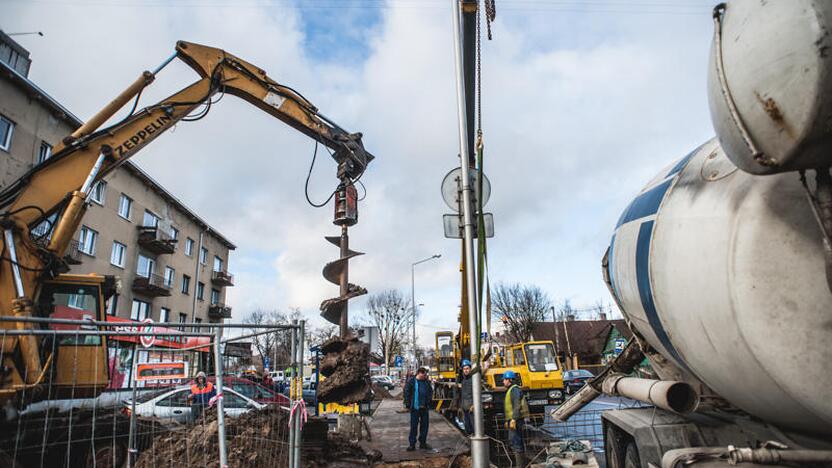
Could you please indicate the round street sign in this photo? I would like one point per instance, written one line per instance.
(452, 188)
(147, 340)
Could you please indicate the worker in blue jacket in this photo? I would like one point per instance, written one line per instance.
(516, 410)
(418, 394)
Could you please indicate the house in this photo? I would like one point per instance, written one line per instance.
(581, 343)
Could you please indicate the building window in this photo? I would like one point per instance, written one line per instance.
(45, 152)
(164, 314)
(174, 233)
(189, 246)
(140, 310)
(146, 266)
(217, 264)
(112, 303)
(200, 290)
(182, 319)
(6, 130)
(86, 241)
(198, 320)
(215, 296)
(170, 276)
(124, 206)
(118, 254)
(98, 191)
(186, 284)
(77, 301)
(203, 255)
(150, 219)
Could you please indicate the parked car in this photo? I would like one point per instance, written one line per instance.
(573, 380)
(309, 392)
(384, 381)
(172, 404)
(255, 391)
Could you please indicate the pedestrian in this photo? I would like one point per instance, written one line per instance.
(418, 395)
(516, 410)
(202, 391)
(267, 381)
(467, 396)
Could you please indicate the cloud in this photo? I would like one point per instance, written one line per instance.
(579, 112)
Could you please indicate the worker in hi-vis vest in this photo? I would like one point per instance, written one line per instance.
(516, 410)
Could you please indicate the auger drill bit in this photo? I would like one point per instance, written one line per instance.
(346, 358)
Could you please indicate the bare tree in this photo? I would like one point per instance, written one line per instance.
(273, 345)
(320, 334)
(390, 312)
(519, 307)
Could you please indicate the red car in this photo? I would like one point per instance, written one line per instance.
(255, 391)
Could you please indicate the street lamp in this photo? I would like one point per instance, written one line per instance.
(413, 298)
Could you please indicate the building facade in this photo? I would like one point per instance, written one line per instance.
(173, 266)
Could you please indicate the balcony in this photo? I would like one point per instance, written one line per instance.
(156, 240)
(219, 311)
(222, 278)
(72, 256)
(153, 285)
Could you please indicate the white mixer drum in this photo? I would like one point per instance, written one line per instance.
(777, 62)
(723, 273)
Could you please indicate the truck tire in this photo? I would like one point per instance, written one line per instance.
(613, 451)
(631, 459)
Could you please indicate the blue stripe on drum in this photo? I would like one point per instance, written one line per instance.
(645, 290)
(645, 204)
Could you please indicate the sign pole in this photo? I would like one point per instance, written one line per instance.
(479, 443)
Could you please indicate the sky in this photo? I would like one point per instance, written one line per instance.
(583, 102)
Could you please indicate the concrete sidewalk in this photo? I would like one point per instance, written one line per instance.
(390, 425)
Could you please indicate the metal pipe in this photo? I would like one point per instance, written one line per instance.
(96, 168)
(164, 64)
(670, 395)
(132, 451)
(98, 333)
(297, 420)
(413, 312)
(220, 405)
(624, 363)
(18, 280)
(196, 275)
(104, 323)
(293, 354)
(95, 121)
(479, 443)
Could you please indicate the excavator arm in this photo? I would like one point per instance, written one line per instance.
(55, 191)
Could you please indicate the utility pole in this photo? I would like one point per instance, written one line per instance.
(413, 307)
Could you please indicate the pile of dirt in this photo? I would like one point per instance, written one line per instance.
(346, 367)
(255, 439)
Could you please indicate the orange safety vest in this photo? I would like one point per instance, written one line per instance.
(195, 390)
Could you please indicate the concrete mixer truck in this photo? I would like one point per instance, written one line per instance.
(722, 265)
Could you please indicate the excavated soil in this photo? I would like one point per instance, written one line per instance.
(255, 439)
(344, 365)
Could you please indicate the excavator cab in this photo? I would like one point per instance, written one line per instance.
(80, 366)
(70, 365)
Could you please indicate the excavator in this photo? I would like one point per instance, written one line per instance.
(41, 211)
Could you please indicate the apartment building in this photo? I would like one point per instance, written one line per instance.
(172, 264)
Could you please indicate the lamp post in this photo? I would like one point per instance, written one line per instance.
(413, 299)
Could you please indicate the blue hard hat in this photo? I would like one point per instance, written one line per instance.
(466, 362)
(509, 374)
